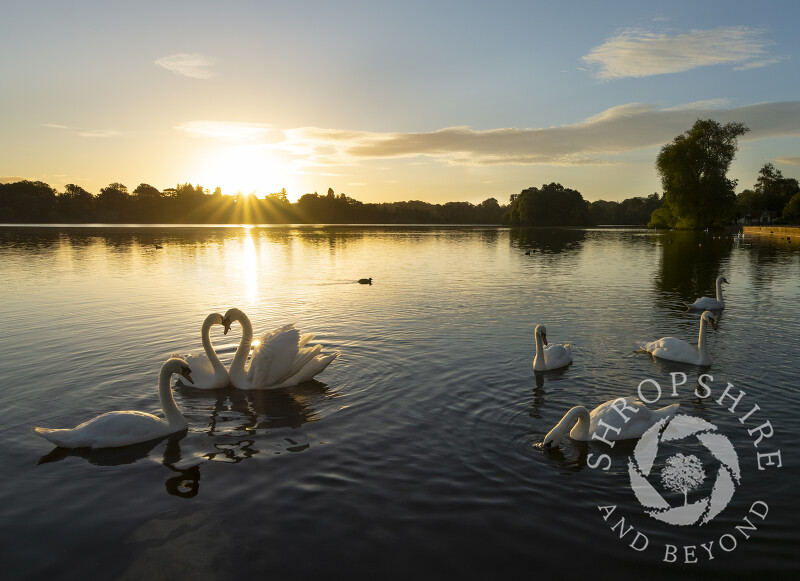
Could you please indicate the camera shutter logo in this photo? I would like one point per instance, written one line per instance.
(683, 473)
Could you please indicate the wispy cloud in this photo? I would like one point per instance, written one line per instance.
(193, 65)
(80, 132)
(229, 130)
(594, 141)
(640, 53)
(788, 160)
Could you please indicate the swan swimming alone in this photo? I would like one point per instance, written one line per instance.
(279, 360)
(679, 350)
(709, 304)
(207, 369)
(550, 356)
(628, 417)
(116, 429)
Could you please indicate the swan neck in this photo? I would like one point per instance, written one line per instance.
(702, 349)
(579, 416)
(575, 423)
(237, 371)
(168, 406)
(538, 360)
(719, 290)
(205, 334)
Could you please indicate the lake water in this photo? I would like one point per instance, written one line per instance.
(417, 453)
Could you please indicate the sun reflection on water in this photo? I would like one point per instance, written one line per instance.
(250, 267)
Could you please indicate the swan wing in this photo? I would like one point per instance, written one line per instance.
(556, 355)
(109, 430)
(706, 304)
(644, 419)
(273, 360)
(673, 349)
(640, 418)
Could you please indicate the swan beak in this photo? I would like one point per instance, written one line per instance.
(187, 373)
(226, 324)
(544, 339)
(713, 322)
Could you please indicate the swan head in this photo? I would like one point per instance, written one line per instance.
(551, 439)
(722, 279)
(178, 365)
(709, 316)
(555, 436)
(231, 315)
(542, 332)
(186, 373)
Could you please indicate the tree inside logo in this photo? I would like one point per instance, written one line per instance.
(683, 473)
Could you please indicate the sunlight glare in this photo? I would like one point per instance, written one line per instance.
(247, 169)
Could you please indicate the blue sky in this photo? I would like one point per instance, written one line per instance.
(439, 101)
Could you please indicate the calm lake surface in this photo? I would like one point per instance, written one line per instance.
(417, 453)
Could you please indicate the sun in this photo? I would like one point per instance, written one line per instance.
(246, 168)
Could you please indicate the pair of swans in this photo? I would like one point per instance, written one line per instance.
(708, 303)
(281, 359)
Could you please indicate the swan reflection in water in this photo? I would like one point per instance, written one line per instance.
(241, 425)
(185, 484)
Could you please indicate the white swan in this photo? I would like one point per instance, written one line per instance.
(628, 417)
(679, 350)
(709, 304)
(207, 369)
(279, 360)
(115, 429)
(550, 356)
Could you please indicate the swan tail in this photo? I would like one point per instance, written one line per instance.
(311, 369)
(63, 437)
(667, 412)
(306, 338)
(304, 356)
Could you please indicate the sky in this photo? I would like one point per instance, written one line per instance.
(384, 101)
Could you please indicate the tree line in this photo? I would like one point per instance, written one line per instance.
(37, 202)
(552, 205)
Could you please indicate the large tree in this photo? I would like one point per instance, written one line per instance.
(773, 190)
(552, 205)
(693, 169)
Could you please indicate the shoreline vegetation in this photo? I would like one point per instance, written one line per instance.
(34, 202)
(693, 169)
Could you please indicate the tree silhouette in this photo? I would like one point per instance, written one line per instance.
(693, 169)
(682, 474)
